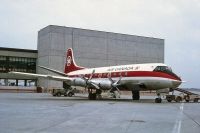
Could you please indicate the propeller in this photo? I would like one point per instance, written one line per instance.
(88, 81)
(114, 84)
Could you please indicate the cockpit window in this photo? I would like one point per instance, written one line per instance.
(165, 69)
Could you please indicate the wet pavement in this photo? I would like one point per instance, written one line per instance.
(42, 113)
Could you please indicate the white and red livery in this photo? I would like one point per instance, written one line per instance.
(134, 77)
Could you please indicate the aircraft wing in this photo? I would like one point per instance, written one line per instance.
(54, 71)
(58, 78)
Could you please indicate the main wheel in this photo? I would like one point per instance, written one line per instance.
(98, 91)
(158, 100)
(98, 96)
(187, 101)
(92, 96)
(135, 95)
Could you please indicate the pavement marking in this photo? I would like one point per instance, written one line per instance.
(177, 126)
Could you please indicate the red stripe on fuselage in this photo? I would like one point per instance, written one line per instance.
(131, 74)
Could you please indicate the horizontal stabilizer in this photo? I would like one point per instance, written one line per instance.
(53, 70)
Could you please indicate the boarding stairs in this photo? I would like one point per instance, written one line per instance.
(185, 91)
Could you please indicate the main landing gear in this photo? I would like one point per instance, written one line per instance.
(135, 95)
(94, 95)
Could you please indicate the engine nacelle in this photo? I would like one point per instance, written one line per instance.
(105, 84)
(78, 82)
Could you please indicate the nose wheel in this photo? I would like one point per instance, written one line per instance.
(158, 99)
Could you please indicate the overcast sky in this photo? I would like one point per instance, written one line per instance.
(176, 21)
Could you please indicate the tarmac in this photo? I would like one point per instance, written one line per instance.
(42, 113)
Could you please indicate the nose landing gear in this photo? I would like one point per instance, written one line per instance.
(158, 99)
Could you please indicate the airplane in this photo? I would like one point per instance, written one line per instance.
(134, 77)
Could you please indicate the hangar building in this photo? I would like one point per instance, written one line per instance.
(91, 49)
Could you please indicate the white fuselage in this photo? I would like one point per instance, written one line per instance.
(131, 76)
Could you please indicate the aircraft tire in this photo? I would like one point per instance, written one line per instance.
(92, 96)
(98, 91)
(99, 97)
(135, 95)
(169, 101)
(187, 101)
(158, 100)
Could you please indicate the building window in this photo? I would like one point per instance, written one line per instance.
(19, 64)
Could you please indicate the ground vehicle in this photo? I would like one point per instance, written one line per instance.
(185, 95)
(63, 91)
(176, 98)
(179, 98)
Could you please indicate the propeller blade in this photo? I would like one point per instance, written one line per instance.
(92, 74)
(95, 85)
(118, 90)
(117, 82)
(111, 80)
(87, 80)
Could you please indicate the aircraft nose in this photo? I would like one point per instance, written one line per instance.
(176, 83)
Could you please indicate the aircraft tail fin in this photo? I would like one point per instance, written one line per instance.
(70, 64)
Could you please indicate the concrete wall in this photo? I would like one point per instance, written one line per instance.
(94, 49)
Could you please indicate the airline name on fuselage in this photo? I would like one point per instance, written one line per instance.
(123, 68)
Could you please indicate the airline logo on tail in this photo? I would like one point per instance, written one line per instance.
(70, 63)
(69, 60)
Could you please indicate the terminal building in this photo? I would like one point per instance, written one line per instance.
(20, 60)
(91, 49)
